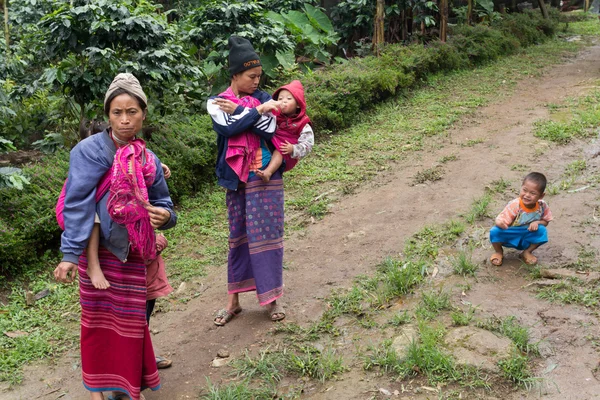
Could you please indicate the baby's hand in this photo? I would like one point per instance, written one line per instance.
(533, 226)
(287, 148)
(166, 171)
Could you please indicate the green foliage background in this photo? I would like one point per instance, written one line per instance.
(62, 57)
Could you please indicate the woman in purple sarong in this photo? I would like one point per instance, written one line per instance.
(244, 124)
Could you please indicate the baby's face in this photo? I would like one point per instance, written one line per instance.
(530, 194)
(288, 102)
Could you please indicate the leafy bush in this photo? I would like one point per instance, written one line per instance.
(482, 43)
(11, 177)
(187, 144)
(27, 219)
(528, 27)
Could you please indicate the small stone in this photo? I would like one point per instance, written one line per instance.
(219, 362)
(223, 353)
(385, 392)
(29, 298)
(181, 288)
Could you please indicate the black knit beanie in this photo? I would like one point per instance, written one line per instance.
(241, 55)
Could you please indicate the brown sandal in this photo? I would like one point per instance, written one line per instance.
(496, 259)
(528, 259)
(162, 363)
(226, 316)
(277, 313)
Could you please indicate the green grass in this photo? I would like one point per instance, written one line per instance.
(237, 391)
(462, 318)
(400, 319)
(578, 121)
(424, 245)
(446, 159)
(572, 292)
(498, 186)
(431, 304)
(510, 328)
(516, 369)
(313, 363)
(571, 175)
(266, 366)
(479, 209)
(463, 263)
(50, 326)
(428, 175)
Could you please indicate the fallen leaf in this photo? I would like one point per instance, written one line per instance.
(463, 293)
(435, 272)
(385, 392)
(429, 389)
(16, 334)
(42, 294)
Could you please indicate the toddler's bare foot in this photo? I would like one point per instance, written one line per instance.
(97, 278)
(264, 175)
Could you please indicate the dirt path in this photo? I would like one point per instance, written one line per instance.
(364, 228)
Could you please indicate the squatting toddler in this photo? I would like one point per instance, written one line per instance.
(522, 224)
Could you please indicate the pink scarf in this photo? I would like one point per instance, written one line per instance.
(134, 171)
(241, 149)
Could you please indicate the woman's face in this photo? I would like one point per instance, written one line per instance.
(246, 82)
(125, 116)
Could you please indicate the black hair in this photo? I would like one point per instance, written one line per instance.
(119, 92)
(538, 179)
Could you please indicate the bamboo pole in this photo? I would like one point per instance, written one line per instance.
(586, 6)
(378, 31)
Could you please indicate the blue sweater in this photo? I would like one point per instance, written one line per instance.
(89, 161)
(226, 126)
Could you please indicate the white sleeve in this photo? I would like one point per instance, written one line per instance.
(305, 144)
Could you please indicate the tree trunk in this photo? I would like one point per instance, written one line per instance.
(586, 6)
(469, 12)
(543, 8)
(6, 31)
(443, 20)
(378, 31)
(403, 29)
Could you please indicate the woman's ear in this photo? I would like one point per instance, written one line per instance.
(145, 113)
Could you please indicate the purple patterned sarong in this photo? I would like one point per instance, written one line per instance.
(256, 239)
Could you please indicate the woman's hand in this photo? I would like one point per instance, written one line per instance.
(225, 105)
(158, 216)
(65, 272)
(268, 106)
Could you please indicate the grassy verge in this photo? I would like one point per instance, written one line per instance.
(338, 166)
